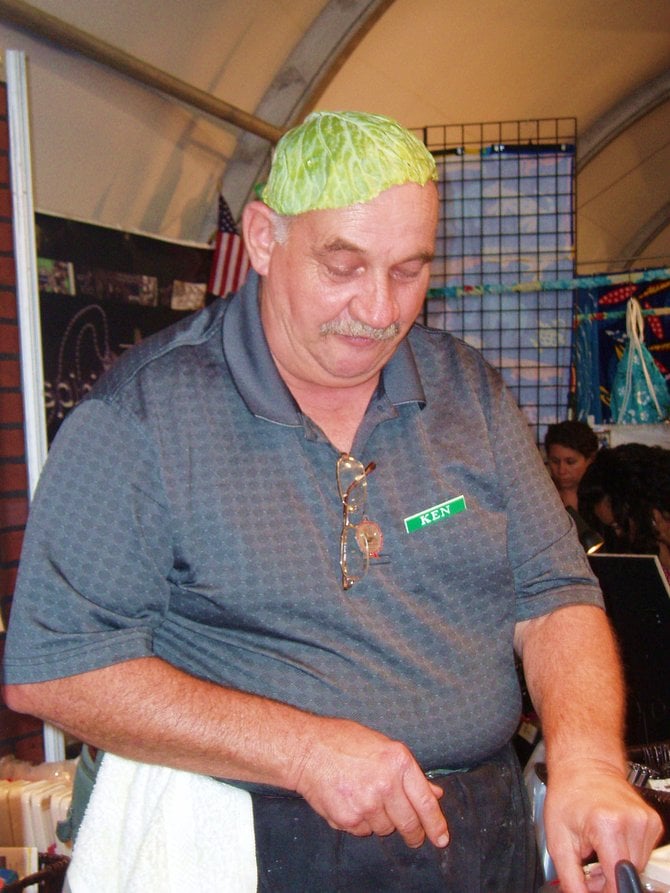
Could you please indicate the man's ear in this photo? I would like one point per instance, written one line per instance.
(258, 232)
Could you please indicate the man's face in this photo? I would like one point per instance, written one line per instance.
(346, 285)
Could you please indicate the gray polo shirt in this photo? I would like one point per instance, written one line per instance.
(189, 510)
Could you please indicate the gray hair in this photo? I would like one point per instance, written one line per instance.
(281, 223)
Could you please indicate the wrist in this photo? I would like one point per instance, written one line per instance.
(578, 761)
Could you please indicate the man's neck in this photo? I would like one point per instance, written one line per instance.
(337, 411)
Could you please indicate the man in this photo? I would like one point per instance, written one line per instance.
(293, 543)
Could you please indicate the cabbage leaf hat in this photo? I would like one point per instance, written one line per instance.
(337, 159)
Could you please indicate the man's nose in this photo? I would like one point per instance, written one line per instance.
(375, 304)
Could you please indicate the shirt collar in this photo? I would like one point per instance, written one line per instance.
(256, 376)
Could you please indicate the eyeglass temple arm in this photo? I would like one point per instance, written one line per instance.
(369, 468)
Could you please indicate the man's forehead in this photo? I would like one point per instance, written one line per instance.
(412, 201)
(399, 225)
(344, 246)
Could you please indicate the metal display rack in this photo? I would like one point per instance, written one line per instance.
(506, 239)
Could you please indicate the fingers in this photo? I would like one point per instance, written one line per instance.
(406, 820)
(424, 799)
(412, 808)
(571, 873)
(407, 805)
(621, 826)
(363, 783)
(594, 878)
(631, 838)
(378, 823)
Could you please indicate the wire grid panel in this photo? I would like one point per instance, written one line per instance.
(506, 231)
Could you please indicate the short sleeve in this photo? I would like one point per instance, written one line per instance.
(93, 580)
(549, 564)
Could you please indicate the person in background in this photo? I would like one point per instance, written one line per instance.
(570, 448)
(626, 494)
(295, 542)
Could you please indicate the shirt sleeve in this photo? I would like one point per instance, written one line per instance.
(93, 580)
(550, 566)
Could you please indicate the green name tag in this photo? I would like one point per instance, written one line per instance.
(435, 514)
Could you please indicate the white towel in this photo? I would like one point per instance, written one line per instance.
(149, 828)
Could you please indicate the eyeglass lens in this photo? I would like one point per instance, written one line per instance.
(355, 538)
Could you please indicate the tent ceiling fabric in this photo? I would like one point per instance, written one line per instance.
(308, 70)
(108, 149)
(69, 37)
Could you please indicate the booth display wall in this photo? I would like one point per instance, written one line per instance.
(600, 333)
(101, 291)
(505, 252)
(19, 734)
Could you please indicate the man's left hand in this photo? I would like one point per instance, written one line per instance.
(592, 813)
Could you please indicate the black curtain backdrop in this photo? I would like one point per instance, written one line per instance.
(101, 291)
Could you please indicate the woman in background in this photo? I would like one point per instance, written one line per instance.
(626, 492)
(570, 448)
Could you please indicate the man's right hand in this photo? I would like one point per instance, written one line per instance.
(362, 782)
(357, 779)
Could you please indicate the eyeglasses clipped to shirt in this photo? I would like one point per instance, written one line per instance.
(361, 538)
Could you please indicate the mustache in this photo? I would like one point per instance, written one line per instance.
(353, 328)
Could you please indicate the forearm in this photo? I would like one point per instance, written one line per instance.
(356, 778)
(574, 677)
(150, 711)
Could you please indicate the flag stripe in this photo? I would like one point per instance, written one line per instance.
(230, 262)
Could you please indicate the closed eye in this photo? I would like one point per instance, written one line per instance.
(408, 273)
(410, 270)
(344, 271)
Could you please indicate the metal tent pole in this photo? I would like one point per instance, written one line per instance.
(67, 36)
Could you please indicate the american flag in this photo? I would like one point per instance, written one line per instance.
(230, 262)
